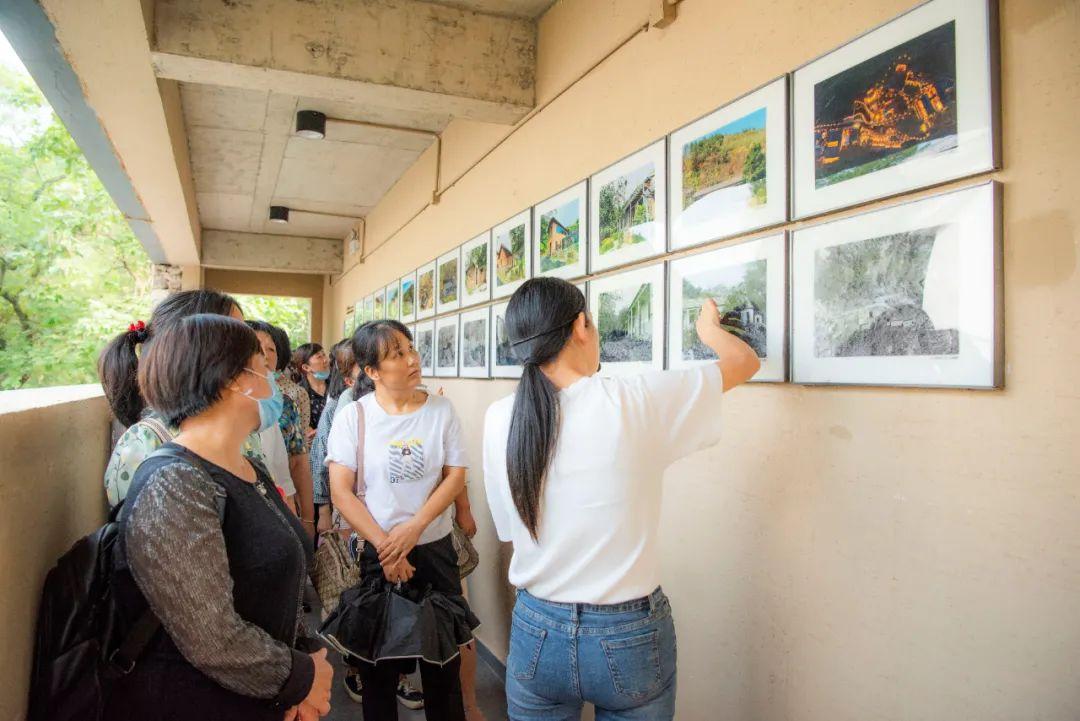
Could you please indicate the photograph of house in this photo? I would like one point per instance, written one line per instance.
(625, 322)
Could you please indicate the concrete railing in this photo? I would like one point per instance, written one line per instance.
(54, 444)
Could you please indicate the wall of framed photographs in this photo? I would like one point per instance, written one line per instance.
(877, 117)
(849, 547)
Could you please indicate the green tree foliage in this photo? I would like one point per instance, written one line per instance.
(72, 274)
(293, 315)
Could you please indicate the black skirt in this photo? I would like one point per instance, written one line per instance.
(426, 618)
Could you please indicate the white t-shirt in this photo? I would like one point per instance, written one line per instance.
(600, 507)
(404, 457)
(277, 458)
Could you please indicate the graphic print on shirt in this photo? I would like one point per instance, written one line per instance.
(406, 461)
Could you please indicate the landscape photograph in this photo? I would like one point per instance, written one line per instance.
(379, 309)
(510, 254)
(504, 354)
(476, 269)
(474, 343)
(740, 294)
(408, 297)
(871, 299)
(625, 322)
(724, 171)
(424, 346)
(559, 242)
(447, 346)
(448, 281)
(393, 294)
(425, 290)
(627, 209)
(888, 109)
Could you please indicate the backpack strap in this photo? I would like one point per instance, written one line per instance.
(123, 659)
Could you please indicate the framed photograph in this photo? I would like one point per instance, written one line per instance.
(475, 267)
(349, 325)
(908, 295)
(424, 342)
(369, 309)
(504, 364)
(511, 247)
(748, 282)
(560, 227)
(408, 298)
(475, 331)
(728, 171)
(629, 312)
(380, 305)
(447, 281)
(907, 105)
(628, 210)
(425, 291)
(393, 301)
(446, 347)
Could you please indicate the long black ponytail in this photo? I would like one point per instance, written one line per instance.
(539, 320)
(118, 363)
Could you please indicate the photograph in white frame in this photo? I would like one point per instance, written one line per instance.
(560, 230)
(628, 209)
(511, 254)
(393, 300)
(424, 343)
(425, 291)
(448, 281)
(728, 170)
(380, 305)
(907, 105)
(908, 295)
(369, 308)
(504, 364)
(358, 318)
(476, 270)
(349, 324)
(446, 346)
(628, 309)
(408, 298)
(473, 343)
(748, 282)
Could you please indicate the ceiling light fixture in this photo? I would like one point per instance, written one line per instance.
(279, 214)
(311, 124)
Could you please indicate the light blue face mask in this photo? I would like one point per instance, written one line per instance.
(321, 375)
(270, 409)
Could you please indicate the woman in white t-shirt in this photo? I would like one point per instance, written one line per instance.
(414, 464)
(572, 465)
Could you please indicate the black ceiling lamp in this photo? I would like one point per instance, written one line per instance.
(311, 124)
(279, 214)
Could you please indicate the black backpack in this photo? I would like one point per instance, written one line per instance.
(81, 644)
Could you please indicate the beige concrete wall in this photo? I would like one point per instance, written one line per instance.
(296, 285)
(51, 493)
(846, 553)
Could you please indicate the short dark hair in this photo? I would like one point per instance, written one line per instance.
(186, 365)
(281, 344)
(370, 344)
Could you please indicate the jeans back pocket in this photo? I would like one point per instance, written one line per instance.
(526, 642)
(634, 663)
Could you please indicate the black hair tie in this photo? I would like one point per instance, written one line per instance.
(534, 336)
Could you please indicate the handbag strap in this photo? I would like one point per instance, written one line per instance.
(158, 428)
(361, 485)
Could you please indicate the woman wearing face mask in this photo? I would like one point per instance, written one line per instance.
(572, 466)
(312, 366)
(208, 544)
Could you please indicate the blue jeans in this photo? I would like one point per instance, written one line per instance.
(619, 657)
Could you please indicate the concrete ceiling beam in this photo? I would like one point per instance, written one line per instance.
(274, 253)
(406, 54)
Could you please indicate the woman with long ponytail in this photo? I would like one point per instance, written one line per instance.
(572, 467)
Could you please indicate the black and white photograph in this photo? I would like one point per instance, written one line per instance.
(628, 309)
(511, 251)
(424, 343)
(728, 170)
(628, 209)
(425, 291)
(476, 270)
(504, 364)
(747, 281)
(906, 295)
(907, 105)
(446, 347)
(448, 281)
(474, 343)
(560, 228)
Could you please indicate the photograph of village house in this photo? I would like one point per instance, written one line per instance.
(724, 171)
(475, 259)
(448, 281)
(559, 242)
(379, 309)
(871, 297)
(627, 209)
(446, 337)
(888, 109)
(504, 355)
(423, 342)
(625, 321)
(393, 296)
(740, 294)
(510, 254)
(425, 290)
(474, 343)
(408, 297)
